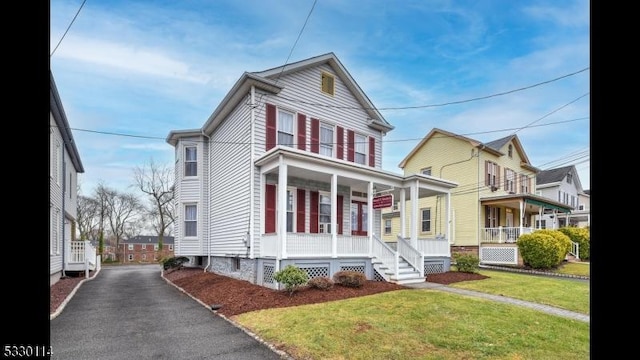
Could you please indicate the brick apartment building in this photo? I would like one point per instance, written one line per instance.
(145, 249)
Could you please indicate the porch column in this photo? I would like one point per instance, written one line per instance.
(334, 216)
(523, 206)
(370, 215)
(281, 208)
(449, 236)
(414, 214)
(403, 221)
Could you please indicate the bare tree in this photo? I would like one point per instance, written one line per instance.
(88, 219)
(122, 209)
(156, 181)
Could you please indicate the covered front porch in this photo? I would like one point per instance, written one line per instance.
(506, 218)
(316, 207)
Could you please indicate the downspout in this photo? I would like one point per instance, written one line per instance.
(250, 230)
(64, 245)
(208, 200)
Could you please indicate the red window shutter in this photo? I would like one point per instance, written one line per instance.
(315, 135)
(340, 143)
(340, 212)
(271, 127)
(300, 210)
(351, 139)
(313, 212)
(302, 132)
(270, 209)
(372, 151)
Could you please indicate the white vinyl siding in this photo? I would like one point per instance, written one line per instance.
(229, 188)
(342, 108)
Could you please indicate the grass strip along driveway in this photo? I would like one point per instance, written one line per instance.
(430, 324)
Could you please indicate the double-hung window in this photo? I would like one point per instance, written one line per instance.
(190, 220)
(285, 128)
(360, 149)
(326, 140)
(190, 161)
(492, 174)
(324, 213)
(426, 220)
(524, 184)
(290, 210)
(511, 180)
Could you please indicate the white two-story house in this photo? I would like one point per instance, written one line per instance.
(64, 167)
(287, 170)
(563, 185)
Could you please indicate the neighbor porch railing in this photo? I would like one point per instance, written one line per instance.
(502, 234)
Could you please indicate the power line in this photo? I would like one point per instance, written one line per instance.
(295, 144)
(298, 38)
(437, 105)
(554, 111)
(68, 27)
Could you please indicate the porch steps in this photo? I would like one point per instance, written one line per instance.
(406, 273)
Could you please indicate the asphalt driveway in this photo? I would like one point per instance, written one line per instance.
(130, 312)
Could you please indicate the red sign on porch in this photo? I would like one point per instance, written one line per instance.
(383, 201)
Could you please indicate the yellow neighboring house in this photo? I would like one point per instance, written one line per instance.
(495, 199)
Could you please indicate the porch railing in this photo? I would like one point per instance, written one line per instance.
(437, 246)
(502, 234)
(312, 245)
(82, 256)
(386, 255)
(412, 255)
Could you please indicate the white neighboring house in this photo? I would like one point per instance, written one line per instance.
(563, 185)
(64, 166)
(286, 170)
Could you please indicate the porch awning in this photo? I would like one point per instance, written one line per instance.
(547, 205)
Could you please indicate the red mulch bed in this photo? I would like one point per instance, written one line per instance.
(239, 296)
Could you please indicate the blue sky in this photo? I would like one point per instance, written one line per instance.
(128, 72)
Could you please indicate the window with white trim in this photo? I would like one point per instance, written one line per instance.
(569, 178)
(285, 128)
(57, 168)
(144, 246)
(190, 220)
(130, 256)
(326, 139)
(190, 161)
(55, 232)
(170, 247)
(130, 247)
(524, 184)
(387, 226)
(360, 149)
(155, 247)
(144, 256)
(324, 213)
(291, 209)
(426, 220)
(426, 171)
(510, 151)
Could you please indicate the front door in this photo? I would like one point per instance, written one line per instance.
(359, 218)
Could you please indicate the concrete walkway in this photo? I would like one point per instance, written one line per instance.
(503, 299)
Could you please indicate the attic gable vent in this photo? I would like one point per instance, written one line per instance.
(327, 83)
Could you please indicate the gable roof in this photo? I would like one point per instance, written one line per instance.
(557, 175)
(267, 80)
(55, 105)
(376, 118)
(491, 147)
